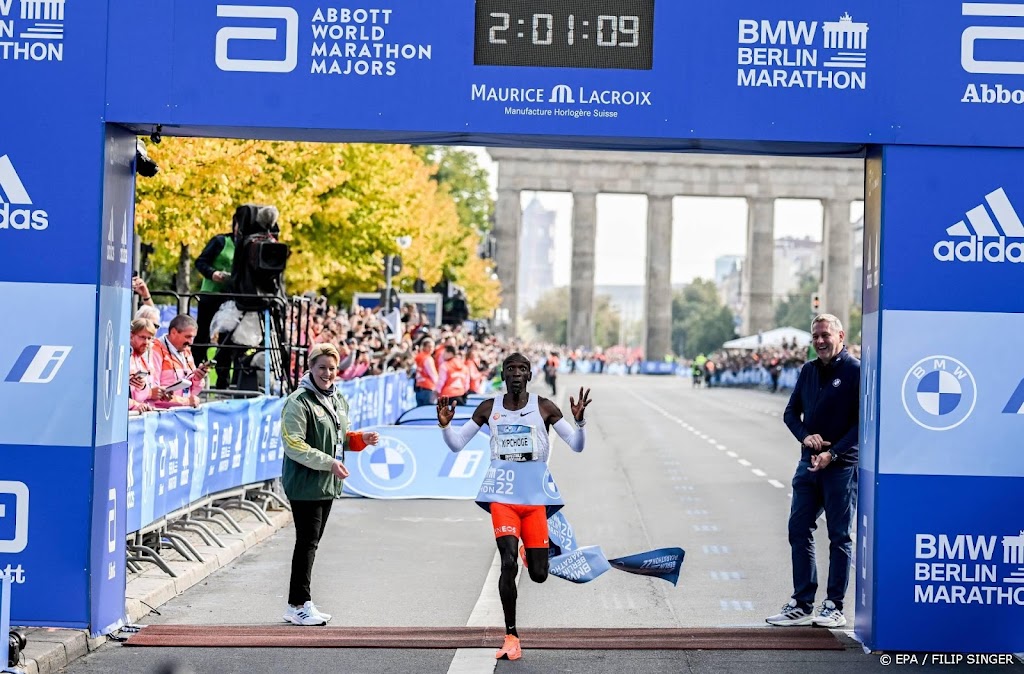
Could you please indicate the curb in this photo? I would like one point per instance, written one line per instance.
(50, 650)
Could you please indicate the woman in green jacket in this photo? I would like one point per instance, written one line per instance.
(314, 428)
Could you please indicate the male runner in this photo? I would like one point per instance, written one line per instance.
(519, 424)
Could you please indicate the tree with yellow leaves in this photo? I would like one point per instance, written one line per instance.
(343, 207)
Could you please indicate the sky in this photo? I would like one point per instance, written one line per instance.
(703, 229)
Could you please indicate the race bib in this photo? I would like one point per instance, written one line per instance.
(515, 442)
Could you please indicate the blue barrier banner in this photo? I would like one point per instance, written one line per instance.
(271, 449)
(657, 367)
(414, 462)
(426, 415)
(175, 457)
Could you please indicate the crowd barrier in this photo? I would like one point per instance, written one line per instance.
(182, 456)
(756, 377)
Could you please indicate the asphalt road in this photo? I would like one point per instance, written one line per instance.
(665, 465)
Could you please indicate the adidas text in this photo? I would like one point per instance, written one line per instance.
(992, 95)
(22, 218)
(980, 250)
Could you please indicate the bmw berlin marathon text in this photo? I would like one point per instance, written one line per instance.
(802, 54)
(32, 32)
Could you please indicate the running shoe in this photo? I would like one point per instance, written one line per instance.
(791, 615)
(303, 616)
(829, 616)
(326, 616)
(510, 650)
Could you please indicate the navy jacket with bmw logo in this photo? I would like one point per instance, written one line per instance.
(826, 401)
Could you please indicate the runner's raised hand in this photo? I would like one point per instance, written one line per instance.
(445, 410)
(579, 407)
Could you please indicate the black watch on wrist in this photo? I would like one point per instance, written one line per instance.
(834, 456)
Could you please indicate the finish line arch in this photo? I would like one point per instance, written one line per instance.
(917, 88)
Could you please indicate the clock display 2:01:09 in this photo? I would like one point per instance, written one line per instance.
(603, 35)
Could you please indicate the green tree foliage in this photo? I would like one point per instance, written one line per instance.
(853, 331)
(700, 322)
(795, 311)
(607, 322)
(465, 181)
(549, 317)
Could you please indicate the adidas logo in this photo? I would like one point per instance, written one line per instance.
(985, 239)
(13, 193)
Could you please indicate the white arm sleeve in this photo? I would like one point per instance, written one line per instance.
(574, 437)
(457, 437)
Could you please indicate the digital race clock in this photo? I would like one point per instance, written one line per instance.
(565, 33)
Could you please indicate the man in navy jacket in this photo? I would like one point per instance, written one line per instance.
(823, 414)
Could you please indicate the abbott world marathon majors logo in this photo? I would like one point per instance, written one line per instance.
(16, 207)
(939, 393)
(32, 30)
(561, 100)
(983, 237)
(969, 569)
(389, 465)
(801, 54)
(988, 28)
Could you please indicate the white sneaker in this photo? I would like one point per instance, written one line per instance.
(304, 616)
(312, 607)
(829, 616)
(791, 616)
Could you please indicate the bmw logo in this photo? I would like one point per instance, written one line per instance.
(390, 465)
(939, 393)
(550, 488)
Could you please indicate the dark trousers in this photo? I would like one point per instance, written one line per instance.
(205, 311)
(834, 491)
(310, 520)
(425, 396)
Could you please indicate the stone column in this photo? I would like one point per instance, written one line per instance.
(580, 330)
(837, 253)
(758, 298)
(508, 222)
(658, 308)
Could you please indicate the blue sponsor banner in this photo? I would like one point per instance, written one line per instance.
(45, 530)
(175, 457)
(965, 249)
(944, 396)
(657, 367)
(955, 564)
(414, 462)
(46, 367)
(50, 211)
(109, 528)
(819, 71)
